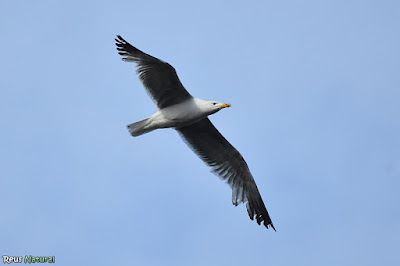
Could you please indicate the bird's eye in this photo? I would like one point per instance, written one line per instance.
(214, 103)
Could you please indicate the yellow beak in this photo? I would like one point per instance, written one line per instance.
(226, 105)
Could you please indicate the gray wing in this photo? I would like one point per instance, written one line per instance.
(158, 77)
(206, 141)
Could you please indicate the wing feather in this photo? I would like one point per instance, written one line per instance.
(158, 77)
(206, 141)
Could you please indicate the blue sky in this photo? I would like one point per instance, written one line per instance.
(314, 88)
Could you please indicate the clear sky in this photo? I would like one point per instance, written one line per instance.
(315, 92)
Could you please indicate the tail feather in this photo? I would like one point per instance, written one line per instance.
(141, 127)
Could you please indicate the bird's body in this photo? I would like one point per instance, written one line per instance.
(175, 116)
(188, 115)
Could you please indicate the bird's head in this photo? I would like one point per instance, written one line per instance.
(214, 106)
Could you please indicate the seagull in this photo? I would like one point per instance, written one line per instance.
(189, 116)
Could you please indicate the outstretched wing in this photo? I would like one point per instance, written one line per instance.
(206, 141)
(158, 77)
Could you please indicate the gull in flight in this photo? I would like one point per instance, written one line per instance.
(189, 116)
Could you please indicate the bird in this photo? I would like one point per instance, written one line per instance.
(188, 115)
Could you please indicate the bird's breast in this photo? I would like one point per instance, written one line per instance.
(182, 114)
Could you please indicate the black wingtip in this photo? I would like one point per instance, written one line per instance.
(123, 45)
(124, 48)
(270, 224)
(260, 218)
(119, 39)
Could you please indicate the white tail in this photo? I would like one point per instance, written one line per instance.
(141, 127)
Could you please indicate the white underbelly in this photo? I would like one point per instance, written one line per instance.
(179, 115)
